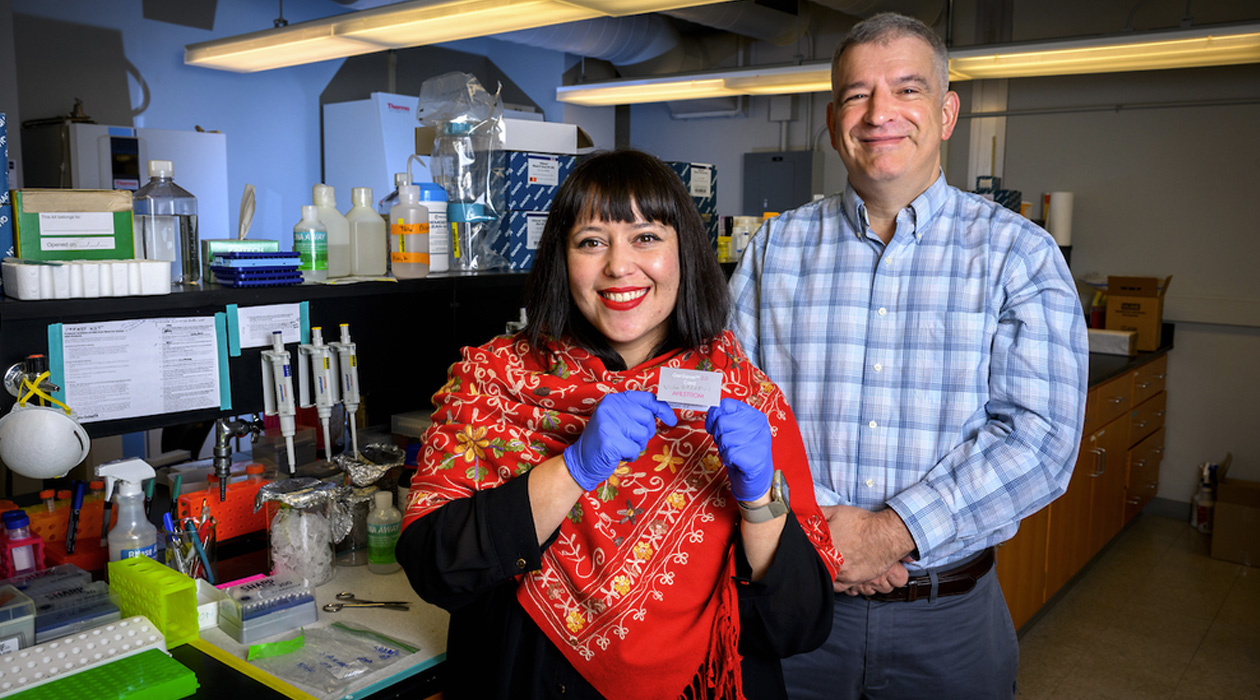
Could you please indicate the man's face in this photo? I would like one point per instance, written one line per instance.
(888, 116)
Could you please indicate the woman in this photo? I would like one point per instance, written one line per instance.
(586, 537)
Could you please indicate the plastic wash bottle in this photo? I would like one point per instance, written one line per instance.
(409, 235)
(337, 227)
(133, 535)
(384, 525)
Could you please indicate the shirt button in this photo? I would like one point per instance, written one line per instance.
(870, 483)
(520, 563)
(872, 424)
(879, 367)
(883, 311)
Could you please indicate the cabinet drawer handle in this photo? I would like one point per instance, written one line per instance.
(1116, 399)
(1157, 450)
(1143, 385)
(1133, 501)
(1140, 463)
(1140, 424)
(1100, 462)
(1161, 376)
(1159, 414)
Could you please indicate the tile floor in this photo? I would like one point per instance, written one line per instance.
(1153, 617)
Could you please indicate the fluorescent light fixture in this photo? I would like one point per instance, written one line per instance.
(1192, 48)
(403, 25)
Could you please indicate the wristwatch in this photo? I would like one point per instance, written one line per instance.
(777, 506)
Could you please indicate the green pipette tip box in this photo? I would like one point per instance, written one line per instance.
(149, 675)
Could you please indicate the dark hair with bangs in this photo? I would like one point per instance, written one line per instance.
(610, 186)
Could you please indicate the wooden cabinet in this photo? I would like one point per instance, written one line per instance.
(1116, 475)
(1021, 567)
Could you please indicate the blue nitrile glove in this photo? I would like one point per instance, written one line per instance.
(742, 434)
(618, 431)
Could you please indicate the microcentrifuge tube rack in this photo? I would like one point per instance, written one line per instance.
(34, 666)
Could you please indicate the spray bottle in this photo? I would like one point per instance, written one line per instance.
(318, 381)
(133, 535)
(277, 372)
(348, 364)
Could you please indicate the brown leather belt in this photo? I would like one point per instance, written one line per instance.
(953, 582)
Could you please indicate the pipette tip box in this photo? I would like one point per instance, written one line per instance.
(266, 607)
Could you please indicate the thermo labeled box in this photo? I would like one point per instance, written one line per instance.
(530, 180)
(55, 224)
(1137, 304)
(517, 236)
(701, 181)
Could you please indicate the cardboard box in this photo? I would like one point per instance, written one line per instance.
(1112, 342)
(530, 180)
(516, 237)
(701, 182)
(523, 135)
(1137, 304)
(57, 224)
(1236, 520)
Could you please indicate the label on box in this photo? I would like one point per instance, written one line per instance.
(77, 224)
(77, 243)
(534, 225)
(701, 181)
(544, 171)
(689, 389)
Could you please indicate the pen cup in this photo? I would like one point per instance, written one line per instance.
(182, 552)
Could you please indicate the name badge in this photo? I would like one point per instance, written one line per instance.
(689, 389)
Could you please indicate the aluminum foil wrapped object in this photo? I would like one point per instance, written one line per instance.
(305, 492)
(372, 463)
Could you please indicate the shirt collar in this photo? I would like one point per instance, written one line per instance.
(922, 209)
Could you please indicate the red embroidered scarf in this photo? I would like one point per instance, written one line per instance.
(636, 590)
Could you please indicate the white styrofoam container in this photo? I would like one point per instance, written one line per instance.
(86, 279)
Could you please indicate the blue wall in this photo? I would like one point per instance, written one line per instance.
(271, 119)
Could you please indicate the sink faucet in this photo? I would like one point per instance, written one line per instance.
(224, 431)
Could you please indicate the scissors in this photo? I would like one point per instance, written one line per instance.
(348, 600)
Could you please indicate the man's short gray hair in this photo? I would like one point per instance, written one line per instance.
(887, 26)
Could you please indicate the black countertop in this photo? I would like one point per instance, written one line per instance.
(1104, 367)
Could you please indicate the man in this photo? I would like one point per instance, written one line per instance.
(933, 348)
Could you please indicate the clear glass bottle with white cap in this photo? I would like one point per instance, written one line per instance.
(166, 223)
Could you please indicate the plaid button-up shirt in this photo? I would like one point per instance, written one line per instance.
(943, 375)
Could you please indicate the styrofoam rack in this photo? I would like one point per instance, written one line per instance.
(34, 666)
(85, 279)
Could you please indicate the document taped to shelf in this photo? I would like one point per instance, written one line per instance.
(689, 389)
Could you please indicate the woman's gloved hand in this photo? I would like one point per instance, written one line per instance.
(742, 434)
(618, 431)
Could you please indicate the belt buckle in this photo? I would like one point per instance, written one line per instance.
(912, 591)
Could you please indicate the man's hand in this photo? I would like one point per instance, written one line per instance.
(873, 545)
(895, 577)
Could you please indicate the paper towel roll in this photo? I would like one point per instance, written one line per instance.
(1059, 217)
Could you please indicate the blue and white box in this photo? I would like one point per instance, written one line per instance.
(517, 236)
(700, 180)
(530, 180)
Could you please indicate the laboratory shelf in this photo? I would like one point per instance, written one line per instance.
(407, 332)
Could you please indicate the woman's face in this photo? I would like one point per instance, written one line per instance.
(624, 280)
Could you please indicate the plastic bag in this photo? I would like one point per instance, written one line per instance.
(468, 125)
(333, 657)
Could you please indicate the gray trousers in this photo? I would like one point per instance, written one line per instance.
(961, 646)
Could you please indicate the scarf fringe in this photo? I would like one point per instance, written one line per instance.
(721, 676)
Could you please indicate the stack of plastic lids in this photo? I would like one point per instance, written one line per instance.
(257, 268)
(266, 607)
(66, 600)
(123, 659)
(165, 596)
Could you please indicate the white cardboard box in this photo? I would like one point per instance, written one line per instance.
(1109, 342)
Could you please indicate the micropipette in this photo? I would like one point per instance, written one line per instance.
(317, 374)
(278, 392)
(348, 364)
